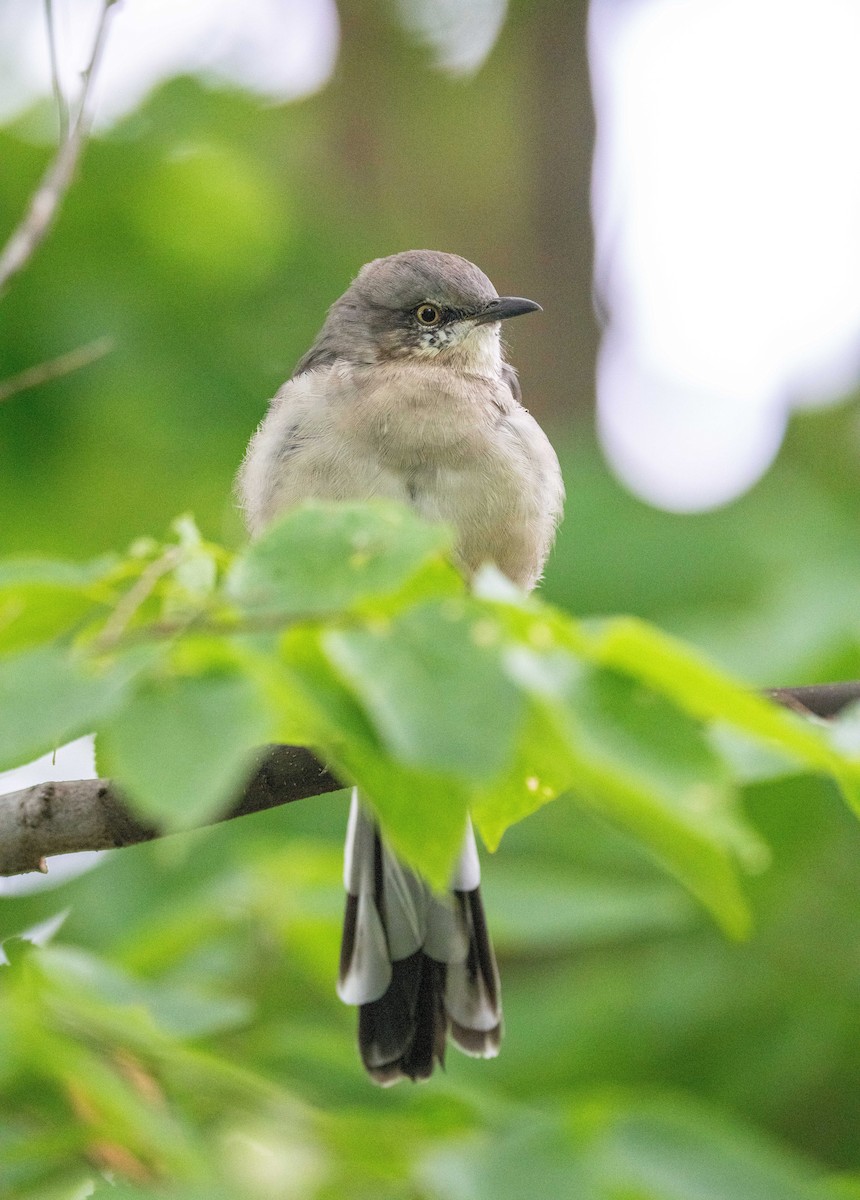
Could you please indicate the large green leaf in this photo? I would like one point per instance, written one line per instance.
(423, 812)
(674, 1150)
(322, 558)
(668, 666)
(621, 1148)
(41, 599)
(49, 696)
(182, 745)
(640, 761)
(541, 769)
(647, 737)
(530, 1154)
(433, 683)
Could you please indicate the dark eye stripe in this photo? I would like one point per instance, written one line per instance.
(446, 315)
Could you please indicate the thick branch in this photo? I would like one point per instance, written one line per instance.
(818, 700)
(92, 814)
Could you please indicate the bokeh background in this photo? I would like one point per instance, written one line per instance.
(677, 183)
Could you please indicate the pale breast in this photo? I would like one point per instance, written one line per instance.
(458, 449)
(417, 415)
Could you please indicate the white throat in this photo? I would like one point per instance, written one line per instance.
(480, 351)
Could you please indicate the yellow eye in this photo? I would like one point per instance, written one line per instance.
(428, 314)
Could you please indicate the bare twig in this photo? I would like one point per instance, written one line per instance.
(93, 814)
(136, 595)
(46, 200)
(56, 83)
(231, 626)
(55, 368)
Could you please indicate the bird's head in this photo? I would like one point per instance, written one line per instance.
(426, 306)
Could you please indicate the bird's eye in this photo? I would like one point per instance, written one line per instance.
(428, 314)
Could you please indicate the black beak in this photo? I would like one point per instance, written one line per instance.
(505, 306)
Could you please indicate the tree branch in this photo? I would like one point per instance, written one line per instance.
(93, 814)
(819, 700)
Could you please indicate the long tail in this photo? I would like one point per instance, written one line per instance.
(419, 966)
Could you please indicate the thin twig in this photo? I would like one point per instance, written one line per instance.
(56, 83)
(270, 622)
(98, 46)
(136, 595)
(45, 201)
(55, 368)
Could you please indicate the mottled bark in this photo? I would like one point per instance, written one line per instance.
(93, 814)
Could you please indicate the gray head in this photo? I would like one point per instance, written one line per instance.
(421, 304)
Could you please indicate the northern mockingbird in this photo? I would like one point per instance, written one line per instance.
(406, 394)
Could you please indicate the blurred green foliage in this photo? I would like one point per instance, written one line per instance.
(181, 1026)
(181, 1031)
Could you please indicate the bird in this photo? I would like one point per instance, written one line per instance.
(406, 394)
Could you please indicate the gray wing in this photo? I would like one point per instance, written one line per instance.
(512, 380)
(287, 428)
(321, 354)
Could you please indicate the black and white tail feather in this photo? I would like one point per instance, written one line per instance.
(418, 965)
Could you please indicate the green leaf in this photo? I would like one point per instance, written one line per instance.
(650, 738)
(196, 573)
(48, 697)
(323, 558)
(182, 745)
(649, 768)
(422, 812)
(41, 599)
(541, 769)
(178, 1011)
(55, 572)
(16, 949)
(676, 1150)
(433, 684)
(669, 666)
(539, 908)
(532, 1150)
(638, 760)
